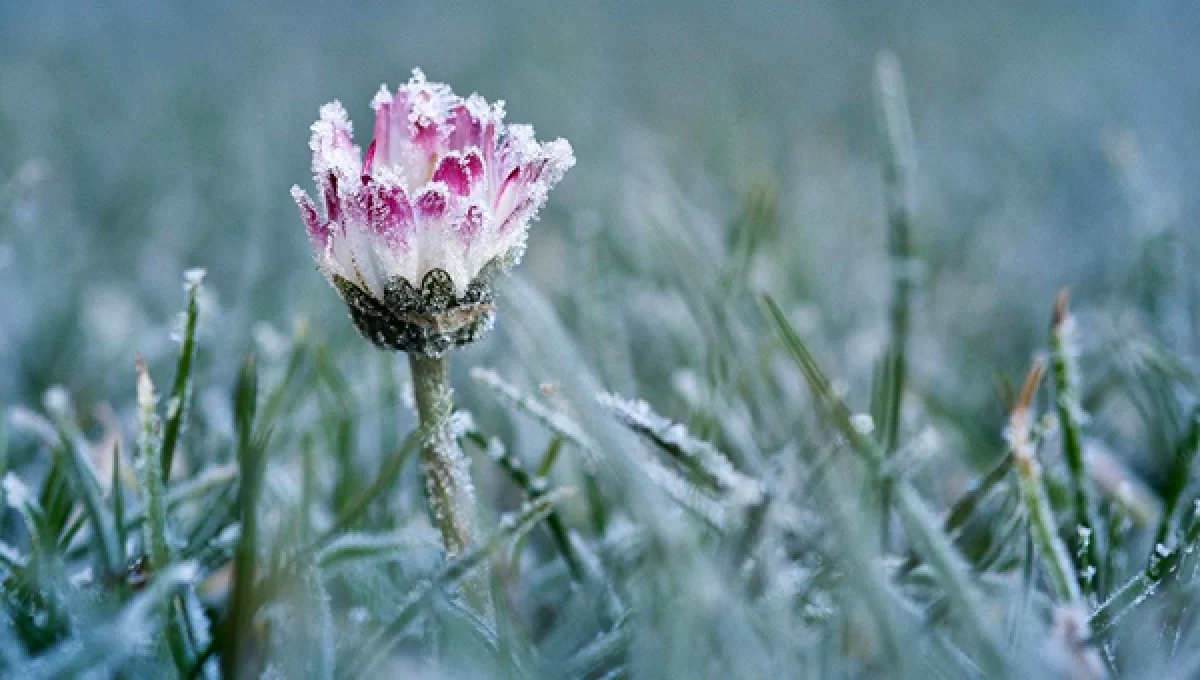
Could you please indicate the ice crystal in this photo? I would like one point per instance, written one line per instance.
(699, 457)
(863, 423)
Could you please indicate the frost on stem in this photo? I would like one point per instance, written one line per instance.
(450, 493)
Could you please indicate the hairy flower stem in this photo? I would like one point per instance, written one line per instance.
(448, 488)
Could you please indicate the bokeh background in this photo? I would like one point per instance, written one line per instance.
(141, 139)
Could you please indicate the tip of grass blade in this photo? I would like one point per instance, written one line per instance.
(1061, 307)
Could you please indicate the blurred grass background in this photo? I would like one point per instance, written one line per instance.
(170, 133)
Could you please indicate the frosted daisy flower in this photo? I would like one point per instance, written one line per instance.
(413, 234)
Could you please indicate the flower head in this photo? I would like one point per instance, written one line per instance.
(413, 233)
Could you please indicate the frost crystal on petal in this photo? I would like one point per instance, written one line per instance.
(445, 186)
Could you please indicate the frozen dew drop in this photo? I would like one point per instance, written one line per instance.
(57, 401)
(863, 423)
(194, 276)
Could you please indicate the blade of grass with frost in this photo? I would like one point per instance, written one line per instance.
(899, 167)
(87, 488)
(11, 559)
(155, 528)
(107, 644)
(251, 457)
(332, 379)
(308, 484)
(1178, 475)
(702, 461)
(978, 488)
(20, 498)
(380, 484)
(149, 463)
(758, 222)
(1011, 527)
(550, 457)
(210, 525)
(20, 588)
(687, 495)
(514, 640)
(698, 502)
(533, 488)
(359, 547)
(389, 403)
(3, 441)
(179, 402)
(861, 569)
(719, 487)
(1067, 388)
(286, 392)
(480, 628)
(920, 523)
(116, 494)
(181, 493)
(348, 516)
(552, 420)
(57, 498)
(376, 649)
(896, 138)
(1164, 562)
(598, 653)
(1055, 558)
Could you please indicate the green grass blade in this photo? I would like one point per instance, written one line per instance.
(379, 646)
(117, 495)
(922, 527)
(155, 528)
(1068, 403)
(180, 399)
(251, 457)
(533, 488)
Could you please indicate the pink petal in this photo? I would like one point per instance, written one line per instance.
(370, 160)
(523, 211)
(474, 164)
(470, 225)
(431, 203)
(464, 128)
(383, 106)
(390, 214)
(488, 144)
(355, 204)
(425, 134)
(318, 232)
(452, 170)
(332, 142)
(508, 184)
(329, 191)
